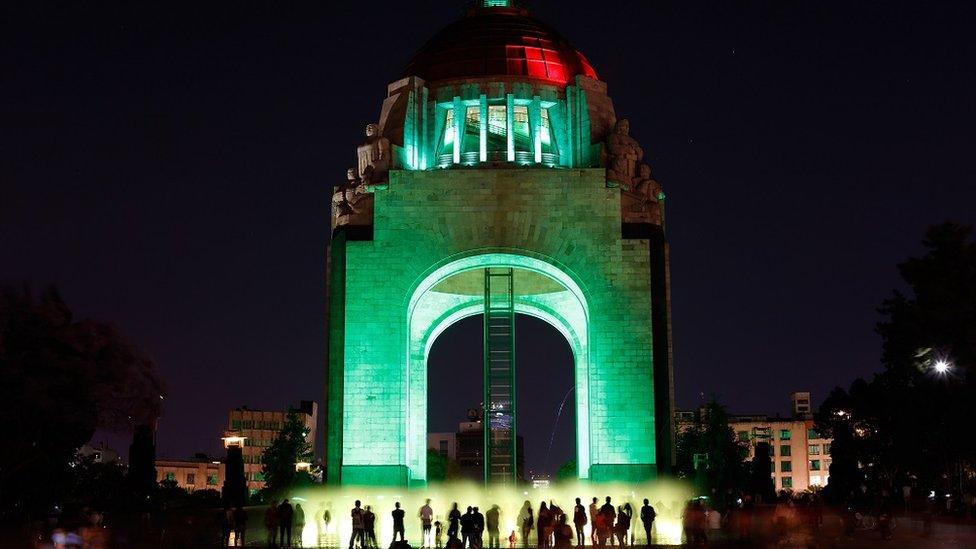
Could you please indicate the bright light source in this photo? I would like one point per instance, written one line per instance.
(942, 366)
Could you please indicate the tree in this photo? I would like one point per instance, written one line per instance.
(709, 455)
(60, 380)
(286, 450)
(761, 485)
(234, 491)
(141, 477)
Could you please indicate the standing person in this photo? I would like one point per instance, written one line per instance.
(562, 533)
(240, 526)
(623, 525)
(491, 523)
(398, 527)
(647, 516)
(608, 515)
(594, 511)
(542, 526)
(357, 526)
(426, 515)
(438, 530)
(285, 515)
(479, 528)
(226, 525)
(369, 528)
(271, 524)
(453, 522)
(526, 521)
(467, 526)
(326, 518)
(579, 521)
(298, 523)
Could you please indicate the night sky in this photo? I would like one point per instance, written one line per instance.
(170, 165)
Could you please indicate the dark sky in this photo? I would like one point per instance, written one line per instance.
(169, 166)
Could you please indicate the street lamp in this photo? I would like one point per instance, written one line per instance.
(942, 366)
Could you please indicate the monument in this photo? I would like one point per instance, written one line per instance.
(497, 181)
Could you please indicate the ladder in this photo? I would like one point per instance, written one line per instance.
(499, 403)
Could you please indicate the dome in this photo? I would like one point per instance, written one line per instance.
(499, 42)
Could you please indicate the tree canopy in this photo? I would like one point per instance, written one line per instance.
(709, 454)
(60, 380)
(287, 449)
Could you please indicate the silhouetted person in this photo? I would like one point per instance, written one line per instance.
(454, 522)
(543, 526)
(491, 523)
(438, 531)
(357, 526)
(398, 527)
(526, 522)
(562, 533)
(426, 515)
(647, 516)
(467, 526)
(579, 521)
(285, 515)
(479, 528)
(369, 528)
(240, 526)
(608, 514)
(623, 524)
(594, 512)
(299, 522)
(226, 525)
(271, 523)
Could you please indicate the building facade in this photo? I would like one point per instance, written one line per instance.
(191, 474)
(800, 456)
(497, 181)
(254, 430)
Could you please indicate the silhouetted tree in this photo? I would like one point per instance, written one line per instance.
(709, 454)
(287, 449)
(761, 484)
(61, 379)
(234, 491)
(141, 477)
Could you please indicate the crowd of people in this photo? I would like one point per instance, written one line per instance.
(553, 528)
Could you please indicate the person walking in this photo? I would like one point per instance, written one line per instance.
(271, 524)
(453, 522)
(647, 516)
(285, 515)
(426, 515)
(622, 528)
(240, 526)
(398, 527)
(357, 526)
(298, 523)
(526, 522)
(491, 523)
(369, 528)
(579, 521)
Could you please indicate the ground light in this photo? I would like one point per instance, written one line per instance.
(668, 498)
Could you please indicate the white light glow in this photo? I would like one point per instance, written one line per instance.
(942, 366)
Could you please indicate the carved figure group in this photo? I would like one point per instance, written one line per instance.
(625, 168)
(351, 200)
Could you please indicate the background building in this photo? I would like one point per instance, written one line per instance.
(467, 447)
(254, 430)
(800, 456)
(198, 473)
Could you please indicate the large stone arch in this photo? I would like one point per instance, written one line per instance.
(430, 312)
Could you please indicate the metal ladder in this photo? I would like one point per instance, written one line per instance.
(499, 403)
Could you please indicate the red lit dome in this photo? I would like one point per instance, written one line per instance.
(506, 42)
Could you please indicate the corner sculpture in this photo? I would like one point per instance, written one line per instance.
(640, 193)
(352, 200)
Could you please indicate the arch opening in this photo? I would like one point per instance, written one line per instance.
(452, 292)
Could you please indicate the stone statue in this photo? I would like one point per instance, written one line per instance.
(624, 154)
(645, 185)
(374, 156)
(340, 198)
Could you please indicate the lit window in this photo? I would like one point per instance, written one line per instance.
(815, 465)
(787, 483)
(786, 466)
(826, 448)
(814, 449)
(812, 434)
(743, 436)
(191, 478)
(785, 450)
(449, 127)
(520, 127)
(212, 480)
(785, 434)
